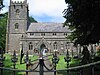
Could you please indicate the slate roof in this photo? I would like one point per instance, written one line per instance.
(47, 27)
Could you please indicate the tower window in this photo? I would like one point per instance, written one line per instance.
(17, 11)
(42, 34)
(16, 26)
(54, 33)
(31, 34)
(65, 34)
(30, 46)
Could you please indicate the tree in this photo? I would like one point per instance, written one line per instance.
(3, 23)
(82, 17)
(31, 19)
(1, 6)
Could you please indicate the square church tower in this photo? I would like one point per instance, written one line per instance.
(34, 37)
(17, 24)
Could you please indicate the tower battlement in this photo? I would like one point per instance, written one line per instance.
(18, 1)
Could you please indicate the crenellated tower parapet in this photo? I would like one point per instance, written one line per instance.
(18, 1)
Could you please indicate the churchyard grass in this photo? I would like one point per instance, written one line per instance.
(8, 64)
(61, 65)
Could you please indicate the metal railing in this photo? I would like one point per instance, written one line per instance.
(78, 69)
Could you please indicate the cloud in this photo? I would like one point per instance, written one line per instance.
(41, 8)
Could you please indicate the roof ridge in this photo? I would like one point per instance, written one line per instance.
(47, 27)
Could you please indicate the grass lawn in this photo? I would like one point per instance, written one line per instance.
(8, 64)
(61, 65)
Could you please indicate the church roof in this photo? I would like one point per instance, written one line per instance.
(47, 27)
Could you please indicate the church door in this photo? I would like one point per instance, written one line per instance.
(42, 47)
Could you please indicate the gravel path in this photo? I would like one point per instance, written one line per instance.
(47, 63)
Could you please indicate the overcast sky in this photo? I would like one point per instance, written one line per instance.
(44, 10)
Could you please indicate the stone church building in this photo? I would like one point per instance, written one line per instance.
(21, 34)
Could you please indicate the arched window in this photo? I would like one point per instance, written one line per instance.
(62, 45)
(42, 34)
(65, 34)
(16, 26)
(30, 46)
(55, 45)
(31, 34)
(17, 11)
(54, 34)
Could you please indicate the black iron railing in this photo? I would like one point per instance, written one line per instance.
(77, 68)
(41, 65)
